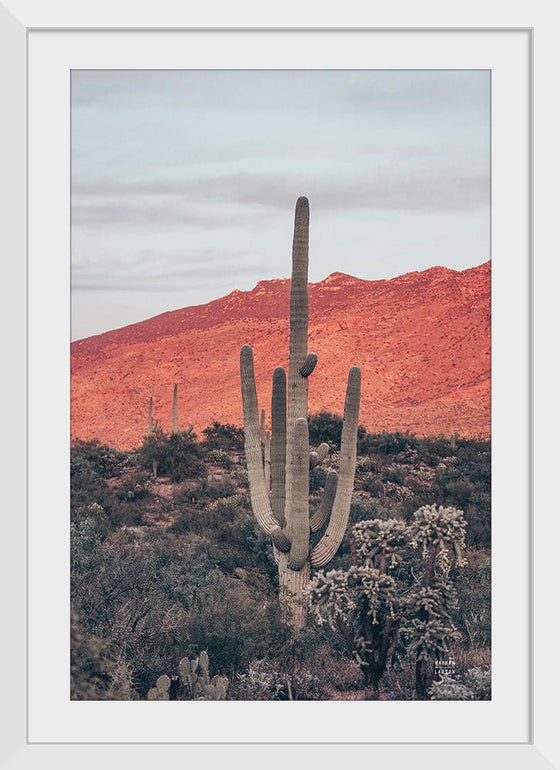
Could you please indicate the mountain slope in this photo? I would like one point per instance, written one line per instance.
(422, 341)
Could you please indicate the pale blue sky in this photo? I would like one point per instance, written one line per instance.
(184, 182)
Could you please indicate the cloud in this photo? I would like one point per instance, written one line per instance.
(385, 92)
(181, 178)
(146, 276)
(212, 202)
(139, 211)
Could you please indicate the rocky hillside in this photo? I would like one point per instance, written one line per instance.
(422, 341)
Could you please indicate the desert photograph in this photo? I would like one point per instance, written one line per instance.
(280, 449)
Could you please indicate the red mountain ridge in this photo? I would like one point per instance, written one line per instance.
(422, 341)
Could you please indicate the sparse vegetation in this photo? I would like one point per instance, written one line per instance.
(164, 569)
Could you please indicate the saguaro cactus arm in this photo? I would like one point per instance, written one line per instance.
(278, 445)
(317, 457)
(263, 429)
(308, 365)
(297, 498)
(267, 461)
(329, 543)
(321, 515)
(259, 496)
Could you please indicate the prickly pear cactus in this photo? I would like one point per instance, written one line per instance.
(195, 681)
(195, 678)
(161, 690)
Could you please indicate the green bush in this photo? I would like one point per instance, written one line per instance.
(233, 621)
(317, 479)
(87, 485)
(135, 486)
(387, 443)
(224, 436)
(144, 595)
(326, 427)
(220, 457)
(106, 461)
(177, 455)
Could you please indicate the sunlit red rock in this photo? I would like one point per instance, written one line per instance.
(422, 341)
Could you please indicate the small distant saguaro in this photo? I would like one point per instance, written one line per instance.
(175, 417)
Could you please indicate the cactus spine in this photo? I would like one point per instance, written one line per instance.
(282, 508)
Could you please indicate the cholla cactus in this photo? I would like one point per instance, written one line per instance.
(441, 534)
(429, 629)
(364, 602)
(364, 605)
(380, 542)
(381, 618)
(281, 506)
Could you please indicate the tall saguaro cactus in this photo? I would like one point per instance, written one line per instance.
(282, 508)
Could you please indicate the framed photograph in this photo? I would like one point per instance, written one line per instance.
(56, 64)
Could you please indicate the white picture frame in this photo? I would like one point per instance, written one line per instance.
(17, 22)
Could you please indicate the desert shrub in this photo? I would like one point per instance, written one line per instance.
(198, 521)
(95, 672)
(254, 550)
(88, 531)
(473, 585)
(368, 465)
(319, 651)
(239, 473)
(205, 491)
(317, 479)
(394, 474)
(106, 461)
(432, 449)
(310, 665)
(134, 486)
(473, 495)
(361, 509)
(219, 488)
(304, 684)
(373, 484)
(219, 457)
(127, 514)
(387, 443)
(233, 622)
(123, 590)
(177, 455)
(224, 436)
(261, 681)
(87, 485)
(325, 427)
(89, 675)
